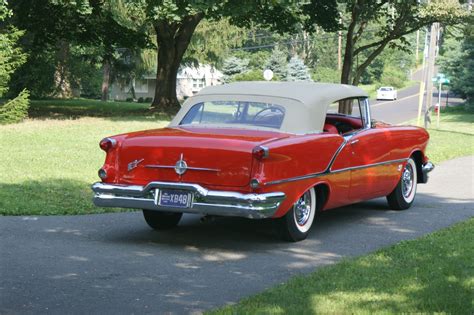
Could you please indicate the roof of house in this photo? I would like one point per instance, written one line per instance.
(306, 103)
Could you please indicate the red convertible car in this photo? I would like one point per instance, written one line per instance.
(263, 150)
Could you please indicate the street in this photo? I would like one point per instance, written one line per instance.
(113, 263)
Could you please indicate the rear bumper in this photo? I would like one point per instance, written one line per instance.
(212, 202)
(425, 169)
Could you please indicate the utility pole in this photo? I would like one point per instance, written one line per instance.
(417, 47)
(339, 48)
(430, 72)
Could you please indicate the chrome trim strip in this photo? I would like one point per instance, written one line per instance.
(188, 168)
(329, 172)
(360, 167)
(294, 179)
(225, 203)
(333, 159)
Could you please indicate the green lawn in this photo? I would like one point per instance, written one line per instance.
(433, 274)
(455, 136)
(48, 165)
(85, 107)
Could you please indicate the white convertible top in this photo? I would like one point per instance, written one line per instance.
(305, 103)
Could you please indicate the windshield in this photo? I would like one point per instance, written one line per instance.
(235, 112)
(386, 89)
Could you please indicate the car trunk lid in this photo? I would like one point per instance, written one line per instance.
(208, 156)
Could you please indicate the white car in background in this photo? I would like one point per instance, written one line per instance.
(387, 93)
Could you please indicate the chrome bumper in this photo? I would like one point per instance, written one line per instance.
(425, 169)
(212, 202)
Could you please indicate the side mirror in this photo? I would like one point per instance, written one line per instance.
(373, 123)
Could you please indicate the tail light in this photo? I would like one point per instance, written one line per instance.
(107, 143)
(260, 152)
(102, 174)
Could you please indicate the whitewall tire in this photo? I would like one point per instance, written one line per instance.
(295, 225)
(403, 195)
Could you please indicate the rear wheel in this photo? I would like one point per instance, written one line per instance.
(402, 197)
(295, 225)
(161, 220)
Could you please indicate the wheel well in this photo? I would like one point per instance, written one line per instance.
(418, 157)
(322, 193)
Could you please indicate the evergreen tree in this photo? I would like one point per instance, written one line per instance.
(467, 76)
(233, 66)
(11, 57)
(297, 70)
(278, 64)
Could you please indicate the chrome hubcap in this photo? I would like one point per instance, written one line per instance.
(407, 180)
(303, 209)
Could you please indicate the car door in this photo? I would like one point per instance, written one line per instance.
(371, 172)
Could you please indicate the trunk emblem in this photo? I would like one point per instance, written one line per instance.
(133, 164)
(181, 166)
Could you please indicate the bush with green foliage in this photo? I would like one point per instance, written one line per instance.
(251, 75)
(392, 76)
(11, 57)
(15, 110)
(323, 74)
(297, 70)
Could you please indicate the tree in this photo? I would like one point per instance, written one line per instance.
(457, 60)
(62, 36)
(393, 21)
(278, 63)
(174, 23)
(233, 66)
(297, 70)
(11, 57)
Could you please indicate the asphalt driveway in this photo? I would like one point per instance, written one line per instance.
(113, 263)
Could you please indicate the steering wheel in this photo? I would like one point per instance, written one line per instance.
(270, 110)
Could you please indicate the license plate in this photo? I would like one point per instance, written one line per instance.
(174, 198)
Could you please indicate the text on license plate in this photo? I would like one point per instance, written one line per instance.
(174, 198)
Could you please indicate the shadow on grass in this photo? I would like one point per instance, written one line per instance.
(48, 197)
(77, 108)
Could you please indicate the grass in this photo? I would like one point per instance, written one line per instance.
(85, 107)
(454, 137)
(429, 275)
(48, 165)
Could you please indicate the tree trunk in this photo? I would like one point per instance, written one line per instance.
(61, 74)
(345, 106)
(105, 80)
(173, 40)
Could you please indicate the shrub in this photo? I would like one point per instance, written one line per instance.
(148, 99)
(129, 99)
(324, 74)
(393, 77)
(140, 100)
(16, 109)
(252, 75)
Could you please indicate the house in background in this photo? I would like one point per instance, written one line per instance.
(189, 81)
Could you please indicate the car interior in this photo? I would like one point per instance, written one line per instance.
(344, 124)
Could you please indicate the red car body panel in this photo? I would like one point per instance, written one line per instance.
(367, 166)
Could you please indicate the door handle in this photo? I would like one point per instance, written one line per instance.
(354, 141)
